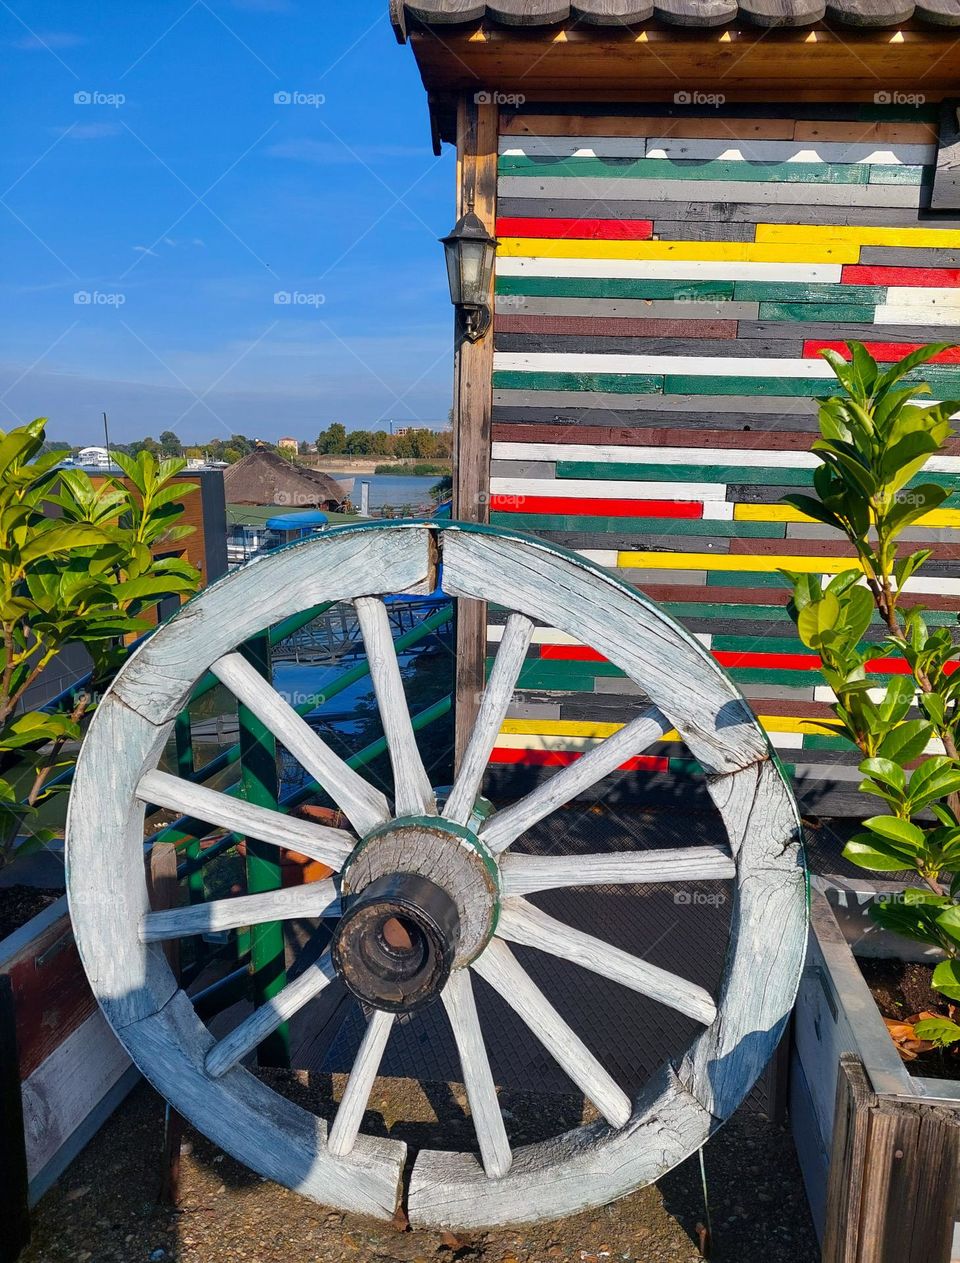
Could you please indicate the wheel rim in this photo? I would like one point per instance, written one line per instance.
(439, 873)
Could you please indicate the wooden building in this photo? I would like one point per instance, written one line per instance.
(691, 199)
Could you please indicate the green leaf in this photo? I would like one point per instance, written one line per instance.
(907, 836)
(867, 851)
(885, 771)
(938, 1030)
(946, 979)
(906, 742)
(62, 539)
(818, 618)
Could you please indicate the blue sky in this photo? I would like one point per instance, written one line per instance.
(158, 200)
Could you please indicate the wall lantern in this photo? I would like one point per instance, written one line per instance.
(470, 252)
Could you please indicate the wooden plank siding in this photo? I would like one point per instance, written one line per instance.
(664, 289)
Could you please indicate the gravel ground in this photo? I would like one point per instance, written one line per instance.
(104, 1208)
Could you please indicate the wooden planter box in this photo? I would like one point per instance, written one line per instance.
(73, 1072)
(835, 1013)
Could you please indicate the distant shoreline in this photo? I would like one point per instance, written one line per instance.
(358, 465)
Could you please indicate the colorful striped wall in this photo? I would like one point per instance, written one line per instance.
(665, 281)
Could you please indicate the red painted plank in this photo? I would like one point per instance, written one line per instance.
(563, 758)
(735, 658)
(581, 229)
(859, 274)
(597, 508)
(885, 352)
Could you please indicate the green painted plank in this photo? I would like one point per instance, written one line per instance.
(741, 474)
(906, 112)
(618, 287)
(716, 169)
(816, 741)
(683, 610)
(638, 525)
(803, 292)
(746, 579)
(611, 383)
(838, 312)
(791, 387)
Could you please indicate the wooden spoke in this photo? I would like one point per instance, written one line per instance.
(521, 922)
(265, 1020)
(524, 874)
(316, 841)
(346, 1125)
(504, 827)
(493, 707)
(499, 967)
(315, 899)
(461, 1008)
(364, 806)
(413, 791)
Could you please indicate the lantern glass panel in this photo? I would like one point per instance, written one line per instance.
(452, 253)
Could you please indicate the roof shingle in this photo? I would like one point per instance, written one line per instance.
(613, 13)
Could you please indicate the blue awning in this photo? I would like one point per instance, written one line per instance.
(309, 520)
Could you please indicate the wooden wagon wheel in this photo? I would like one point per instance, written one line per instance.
(430, 897)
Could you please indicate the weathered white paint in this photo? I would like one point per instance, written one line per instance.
(506, 825)
(493, 707)
(499, 967)
(461, 1009)
(412, 789)
(521, 922)
(316, 899)
(317, 841)
(658, 365)
(346, 1125)
(364, 806)
(526, 874)
(253, 1030)
(676, 269)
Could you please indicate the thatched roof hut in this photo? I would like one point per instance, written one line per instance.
(263, 477)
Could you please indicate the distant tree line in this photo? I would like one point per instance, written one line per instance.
(336, 440)
(413, 444)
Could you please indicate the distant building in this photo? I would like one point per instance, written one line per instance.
(94, 457)
(404, 429)
(289, 445)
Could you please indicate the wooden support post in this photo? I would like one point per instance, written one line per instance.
(477, 128)
(165, 893)
(260, 784)
(892, 1190)
(14, 1214)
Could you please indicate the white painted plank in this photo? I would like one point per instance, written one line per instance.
(318, 842)
(521, 922)
(458, 1000)
(718, 511)
(346, 1125)
(315, 899)
(364, 806)
(526, 874)
(670, 269)
(254, 1029)
(412, 789)
(538, 636)
(689, 365)
(493, 707)
(600, 488)
(597, 190)
(277, 1138)
(500, 968)
(923, 295)
(67, 1086)
(506, 825)
(729, 150)
(902, 313)
(747, 457)
(599, 556)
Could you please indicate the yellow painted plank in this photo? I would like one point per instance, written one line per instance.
(726, 561)
(826, 234)
(786, 513)
(685, 251)
(587, 728)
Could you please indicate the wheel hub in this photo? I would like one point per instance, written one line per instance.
(396, 941)
(421, 896)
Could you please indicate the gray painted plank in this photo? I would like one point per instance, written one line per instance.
(565, 205)
(607, 402)
(782, 342)
(755, 331)
(660, 192)
(693, 230)
(734, 421)
(627, 308)
(909, 256)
